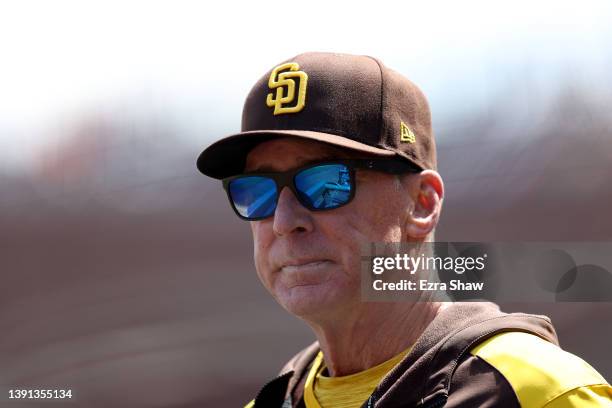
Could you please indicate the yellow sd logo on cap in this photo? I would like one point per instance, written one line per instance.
(283, 78)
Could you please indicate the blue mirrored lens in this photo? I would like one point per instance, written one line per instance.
(324, 187)
(253, 196)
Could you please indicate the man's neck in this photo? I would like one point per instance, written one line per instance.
(373, 333)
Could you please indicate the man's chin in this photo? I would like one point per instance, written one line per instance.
(310, 301)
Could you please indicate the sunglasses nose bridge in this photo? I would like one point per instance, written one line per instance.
(290, 211)
(288, 180)
(284, 180)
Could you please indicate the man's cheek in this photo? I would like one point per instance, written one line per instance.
(259, 247)
(263, 265)
(263, 236)
(263, 273)
(260, 232)
(356, 234)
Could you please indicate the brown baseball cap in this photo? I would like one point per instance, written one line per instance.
(350, 101)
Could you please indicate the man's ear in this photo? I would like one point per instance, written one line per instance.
(427, 195)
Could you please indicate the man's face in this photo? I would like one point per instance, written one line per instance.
(311, 261)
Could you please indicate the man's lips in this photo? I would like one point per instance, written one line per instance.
(304, 266)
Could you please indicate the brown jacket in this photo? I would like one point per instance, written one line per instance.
(439, 371)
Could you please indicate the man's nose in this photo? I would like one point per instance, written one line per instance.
(290, 215)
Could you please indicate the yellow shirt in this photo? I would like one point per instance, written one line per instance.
(349, 391)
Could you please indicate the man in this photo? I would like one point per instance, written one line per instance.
(337, 151)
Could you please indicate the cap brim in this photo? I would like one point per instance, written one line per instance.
(227, 156)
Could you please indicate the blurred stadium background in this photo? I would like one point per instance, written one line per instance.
(127, 278)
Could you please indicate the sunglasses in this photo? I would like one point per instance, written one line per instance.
(318, 187)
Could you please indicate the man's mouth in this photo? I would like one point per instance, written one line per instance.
(305, 266)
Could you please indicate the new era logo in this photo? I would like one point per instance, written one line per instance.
(406, 135)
